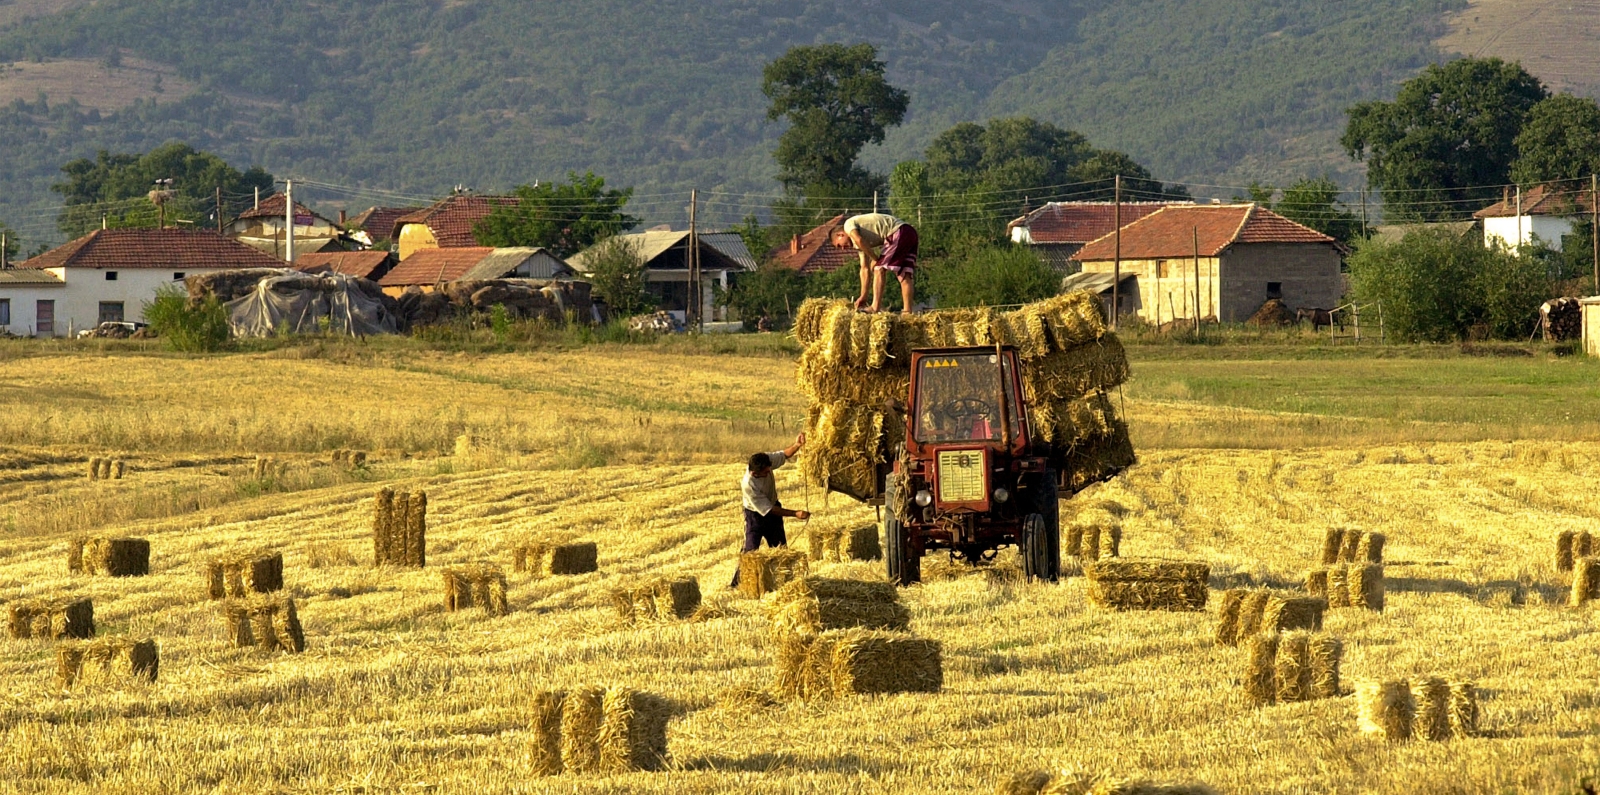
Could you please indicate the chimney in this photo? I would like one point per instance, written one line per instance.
(1505, 194)
(341, 217)
(794, 245)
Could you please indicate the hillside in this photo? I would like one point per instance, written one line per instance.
(417, 96)
(1554, 39)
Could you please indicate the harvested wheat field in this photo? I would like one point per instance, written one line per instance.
(393, 693)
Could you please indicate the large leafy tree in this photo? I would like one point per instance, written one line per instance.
(1311, 202)
(1560, 141)
(836, 100)
(116, 187)
(1446, 140)
(564, 217)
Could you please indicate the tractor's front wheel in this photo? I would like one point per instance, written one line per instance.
(905, 567)
(1039, 540)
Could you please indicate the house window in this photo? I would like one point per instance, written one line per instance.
(1275, 290)
(177, 276)
(110, 311)
(44, 320)
(111, 276)
(5, 311)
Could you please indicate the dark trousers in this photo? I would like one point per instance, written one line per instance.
(758, 528)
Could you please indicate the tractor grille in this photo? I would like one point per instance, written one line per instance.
(961, 475)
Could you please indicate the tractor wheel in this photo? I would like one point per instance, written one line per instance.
(1037, 540)
(904, 566)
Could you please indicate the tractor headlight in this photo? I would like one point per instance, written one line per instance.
(924, 498)
(1001, 495)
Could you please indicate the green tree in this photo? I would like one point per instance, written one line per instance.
(1447, 140)
(837, 100)
(1311, 202)
(116, 187)
(564, 217)
(185, 326)
(1560, 141)
(772, 290)
(617, 271)
(992, 276)
(1510, 287)
(1435, 285)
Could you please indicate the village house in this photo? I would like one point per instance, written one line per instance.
(378, 222)
(1540, 215)
(109, 274)
(723, 256)
(447, 223)
(29, 296)
(426, 269)
(1221, 261)
(814, 251)
(360, 264)
(1058, 229)
(262, 228)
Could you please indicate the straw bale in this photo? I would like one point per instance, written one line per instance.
(547, 709)
(1149, 594)
(358, 458)
(1292, 667)
(114, 557)
(866, 661)
(75, 547)
(268, 623)
(791, 653)
(1339, 587)
(1252, 608)
(807, 616)
(1366, 586)
(1325, 653)
(633, 731)
(864, 544)
(1351, 543)
(416, 530)
(1030, 782)
(1585, 580)
(1073, 541)
(822, 543)
(478, 585)
(1228, 616)
(1068, 375)
(237, 575)
(1370, 548)
(1094, 460)
(1111, 786)
(813, 588)
(545, 559)
(94, 468)
(657, 599)
(1153, 569)
(51, 619)
(822, 381)
(1332, 542)
(808, 319)
(118, 469)
(291, 637)
(1583, 544)
(763, 571)
(581, 717)
(1386, 708)
(107, 659)
(1261, 678)
(1464, 709)
(105, 469)
(1432, 718)
(1283, 612)
(1317, 582)
(1564, 550)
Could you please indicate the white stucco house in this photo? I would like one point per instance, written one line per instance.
(109, 274)
(28, 297)
(1541, 214)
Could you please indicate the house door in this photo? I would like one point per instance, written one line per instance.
(45, 318)
(110, 311)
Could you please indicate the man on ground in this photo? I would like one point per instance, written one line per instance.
(763, 513)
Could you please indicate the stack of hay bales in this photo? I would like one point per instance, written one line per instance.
(1428, 709)
(1352, 546)
(107, 468)
(840, 637)
(350, 458)
(1148, 584)
(1072, 782)
(1094, 534)
(1293, 666)
(478, 585)
(1585, 581)
(269, 467)
(51, 619)
(595, 730)
(657, 599)
(852, 363)
(837, 545)
(110, 556)
(546, 559)
(400, 528)
(267, 623)
(1572, 546)
(106, 660)
(241, 574)
(1348, 585)
(763, 571)
(1244, 612)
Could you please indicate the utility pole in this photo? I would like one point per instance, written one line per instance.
(691, 314)
(219, 209)
(1116, 261)
(874, 201)
(288, 221)
(1197, 280)
(4, 242)
(258, 197)
(1519, 218)
(1594, 227)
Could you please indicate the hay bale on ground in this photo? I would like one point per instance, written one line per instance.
(864, 544)
(1317, 582)
(1148, 584)
(581, 718)
(238, 575)
(1386, 709)
(1152, 569)
(416, 530)
(94, 468)
(763, 571)
(793, 678)
(545, 560)
(1261, 678)
(1094, 534)
(113, 557)
(400, 528)
(1583, 544)
(1432, 719)
(1284, 612)
(811, 605)
(1585, 581)
(51, 619)
(1339, 587)
(822, 543)
(657, 599)
(1292, 667)
(268, 623)
(1351, 545)
(105, 468)
(1251, 610)
(479, 585)
(1332, 542)
(1366, 586)
(1464, 709)
(866, 661)
(1325, 653)
(118, 469)
(1248, 611)
(1228, 616)
(1564, 555)
(106, 660)
(547, 709)
(633, 731)
(382, 514)
(1370, 548)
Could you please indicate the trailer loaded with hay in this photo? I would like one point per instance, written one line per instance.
(966, 425)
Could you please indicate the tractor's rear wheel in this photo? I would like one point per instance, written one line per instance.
(905, 567)
(1036, 562)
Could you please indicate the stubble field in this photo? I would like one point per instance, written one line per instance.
(638, 450)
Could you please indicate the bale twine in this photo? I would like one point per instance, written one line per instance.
(1325, 653)
(1292, 667)
(1366, 586)
(106, 660)
(869, 661)
(812, 605)
(545, 560)
(657, 599)
(864, 544)
(581, 716)
(51, 619)
(763, 571)
(633, 731)
(1261, 678)
(1228, 616)
(1464, 709)
(478, 585)
(1432, 716)
(109, 556)
(546, 752)
(267, 623)
(1585, 580)
(1386, 709)
(238, 575)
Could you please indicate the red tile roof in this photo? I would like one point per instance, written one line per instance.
(1170, 232)
(174, 249)
(1539, 200)
(272, 207)
(361, 264)
(814, 252)
(1081, 222)
(379, 221)
(434, 265)
(453, 217)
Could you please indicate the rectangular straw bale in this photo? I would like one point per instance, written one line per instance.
(1585, 580)
(75, 547)
(864, 544)
(1251, 610)
(1284, 613)
(822, 543)
(1351, 544)
(289, 635)
(51, 619)
(1073, 542)
(118, 469)
(105, 469)
(382, 531)
(1317, 582)
(1228, 616)
(547, 709)
(108, 660)
(791, 652)
(581, 716)
(1366, 586)
(573, 558)
(239, 575)
(114, 557)
(865, 661)
(633, 731)
(763, 571)
(1583, 544)
(1260, 677)
(1110, 542)
(1339, 586)
(268, 623)
(1325, 653)
(1292, 667)
(1147, 569)
(478, 585)
(1149, 594)
(809, 616)
(677, 598)
(416, 530)
(94, 468)
(1464, 709)
(1370, 549)
(1564, 550)
(1432, 719)
(1386, 708)
(808, 587)
(1332, 542)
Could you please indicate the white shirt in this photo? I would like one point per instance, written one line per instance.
(761, 494)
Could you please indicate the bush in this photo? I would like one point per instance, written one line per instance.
(617, 271)
(773, 290)
(197, 328)
(992, 276)
(1435, 286)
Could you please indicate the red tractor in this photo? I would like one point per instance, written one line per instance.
(972, 476)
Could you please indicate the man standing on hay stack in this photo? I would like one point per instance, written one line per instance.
(886, 243)
(763, 513)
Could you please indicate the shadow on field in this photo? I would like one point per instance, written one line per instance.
(768, 762)
(1494, 592)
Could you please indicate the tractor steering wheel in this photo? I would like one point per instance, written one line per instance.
(967, 407)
